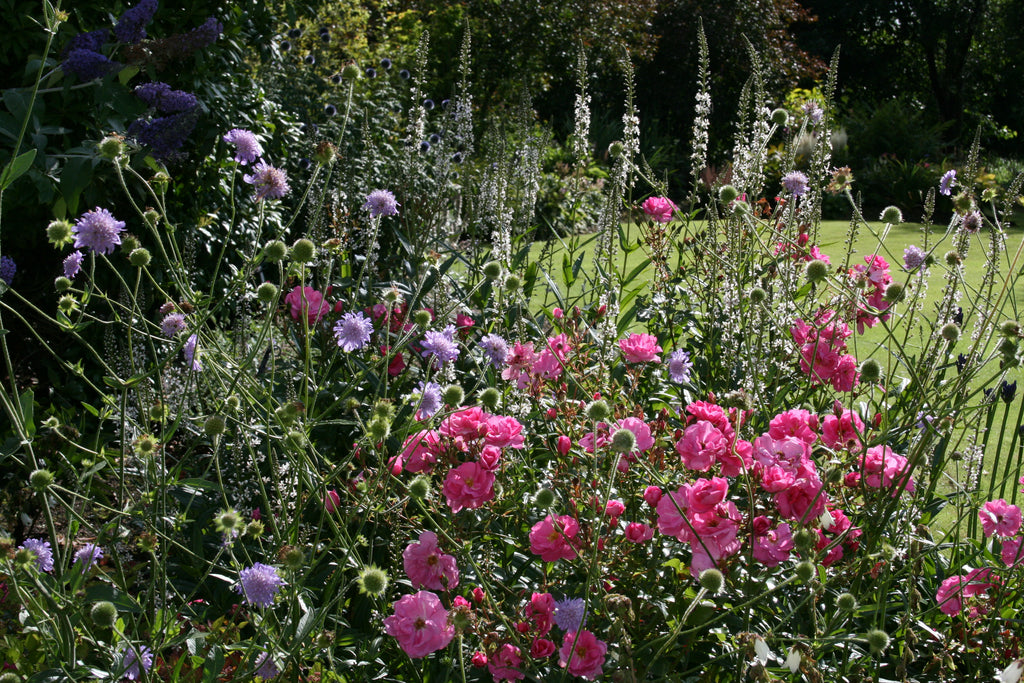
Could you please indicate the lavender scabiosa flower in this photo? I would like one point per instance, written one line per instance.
(381, 203)
(73, 264)
(268, 181)
(679, 366)
(495, 348)
(570, 614)
(441, 345)
(353, 331)
(88, 555)
(795, 183)
(913, 257)
(265, 667)
(430, 400)
(173, 324)
(42, 551)
(7, 269)
(191, 351)
(131, 27)
(134, 661)
(98, 230)
(948, 182)
(247, 147)
(813, 111)
(259, 584)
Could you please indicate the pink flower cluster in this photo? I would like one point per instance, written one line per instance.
(468, 433)
(583, 653)
(1003, 520)
(420, 623)
(882, 468)
(823, 353)
(308, 301)
(876, 279)
(427, 567)
(555, 538)
(529, 368)
(640, 348)
(659, 209)
(710, 438)
(953, 590)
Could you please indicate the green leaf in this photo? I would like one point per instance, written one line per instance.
(28, 404)
(16, 168)
(214, 665)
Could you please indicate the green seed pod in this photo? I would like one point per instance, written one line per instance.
(513, 283)
(950, 332)
(267, 293)
(757, 295)
(727, 194)
(422, 318)
(372, 581)
(894, 292)
(453, 395)
(140, 258)
(254, 529)
(712, 580)
(275, 251)
(419, 488)
(846, 602)
(892, 215)
(615, 149)
(544, 498)
(1007, 347)
(129, 243)
(378, 430)
(817, 270)
(303, 251)
(623, 441)
(1009, 328)
(214, 426)
(103, 614)
(870, 371)
(59, 233)
(878, 640)
(492, 270)
(598, 410)
(40, 480)
(952, 258)
(489, 398)
(805, 571)
(296, 439)
(780, 117)
(805, 539)
(111, 147)
(351, 72)
(62, 284)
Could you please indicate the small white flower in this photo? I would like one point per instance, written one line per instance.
(793, 660)
(761, 648)
(1012, 673)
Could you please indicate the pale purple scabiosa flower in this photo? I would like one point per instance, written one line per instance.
(135, 660)
(173, 324)
(269, 181)
(247, 147)
(795, 183)
(191, 351)
(73, 264)
(259, 584)
(570, 613)
(41, 549)
(7, 269)
(381, 203)
(948, 182)
(813, 111)
(441, 345)
(98, 230)
(353, 331)
(265, 667)
(913, 257)
(495, 348)
(88, 555)
(430, 399)
(679, 366)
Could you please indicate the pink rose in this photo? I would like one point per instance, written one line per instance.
(706, 494)
(638, 532)
(954, 589)
(771, 546)
(468, 424)
(505, 662)
(671, 514)
(614, 508)
(640, 348)
(641, 430)
(701, 445)
(419, 452)
(420, 623)
(542, 611)
(503, 432)
(798, 423)
(542, 648)
(842, 431)
(309, 301)
(427, 567)
(1000, 518)
(468, 486)
(564, 445)
(331, 501)
(659, 209)
(552, 538)
(652, 494)
(586, 657)
(1011, 552)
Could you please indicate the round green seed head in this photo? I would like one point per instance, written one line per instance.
(623, 441)
(878, 640)
(58, 233)
(110, 147)
(490, 397)
(325, 153)
(214, 426)
(780, 117)
(129, 243)
(372, 581)
(384, 410)
(963, 203)
(453, 395)
(712, 580)
(805, 571)
(140, 258)
(62, 284)
(492, 270)
(846, 602)
(419, 488)
(351, 72)
(10, 677)
(303, 251)
(870, 371)
(67, 304)
(275, 251)
(103, 614)
(1010, 328)
(892, 215)
(228, 521)
(292, 558)
(950, 332)
(267, 293)
(598, 410)
(757, 295)
(296, 439)
(422, 318)
(513, 283)
(805, 539)
(817, 270)
(615, 149)
(894, 292)
(378, 430)
(40, 479)
(544, 498)
(254, 529)
(728, 193)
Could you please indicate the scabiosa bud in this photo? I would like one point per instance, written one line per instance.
(780, 117)
(267, 293)
(878, 640)
(303, 251)
(805, 539)
(757, 295)
(419, 488)
(492, 270)
(228, 522)
(40, 479)
(846, 602)
(378, 430)
(111, 147)
(292, 557)
(453, 395)
(59, 233)
(870, 371)
(62, 284)
(103, 614)
(544, 498)
(513, 283)
(489, 398)
(325, 152)
(972, 222)
(805, 570)
(712, 580)
(140, 258)
(598, 410)
(623, 441)
(214, 426)
(894, 292)
(275, 251)
(727, 194)
(892, 215)
(950, 332)
(422, 318)
(817, 270)
(372, 581)
(67, 304)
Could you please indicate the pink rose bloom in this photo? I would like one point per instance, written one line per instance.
(701, 445)
(798, 423)
(313, 306)
(1000, 518)
(1011, 552)
(771, 546)
(671, 514)
(331, 501)
(468, 486)
(468, 424)
(427, 567)
(638, 532)
(659, 209)
(503, 432)
(954, 589)
(843, 431)
(542, 611)
(706, 494)
(641, 430)
(420, 623)
(419, 452)
(586, 658)
(846, 375)
(552, 538)
(803, 500)
(713, 413)
(716, 536)
(736, 460)
(840, 527)
(652, 494)
(614, 508)
(489, 458)
(479, 659)
(564, 445)
(598, 436)
(640, 348)
(786, 453)
(505, 662)
(551, 360)
(542, 648)
(883, 468)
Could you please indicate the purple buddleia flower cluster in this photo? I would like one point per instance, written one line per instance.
(131, 27)
(172, 118)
